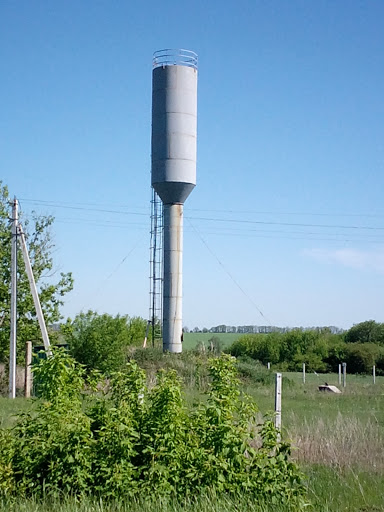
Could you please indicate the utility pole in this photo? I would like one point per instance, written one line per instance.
(12, 345)
(35, 295)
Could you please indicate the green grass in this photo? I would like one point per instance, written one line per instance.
(329, 491)
(201, 504)
(332, 490)
(360, 399)
(338, 441)
(10, 408)
(191, 339)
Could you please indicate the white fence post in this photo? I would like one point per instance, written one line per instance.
(28, 370)
(278, 403)
(268, 366)
(344, 374)
(374, 373)
(339, 374)
(303, 373)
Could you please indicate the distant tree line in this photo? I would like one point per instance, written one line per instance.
(260, 329)
(360, 347)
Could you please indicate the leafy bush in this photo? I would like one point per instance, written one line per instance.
(262, 347)
(320, 351)
(101, 341)
(254, 372)
(360, 357)
(130, 441)
(51, 449)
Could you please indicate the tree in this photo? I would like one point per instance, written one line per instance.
(366, 332)
(101, 341)
(360, 357)
(40, 245)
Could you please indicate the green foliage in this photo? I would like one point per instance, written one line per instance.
(321, 351)
(123, 439)
(366, 332)
(51, 449)
(292, 348)
(215, 345)
(7, 482)
(117, 425)
(254, 372)
(40, 245)
(101, 341)
(360, 357)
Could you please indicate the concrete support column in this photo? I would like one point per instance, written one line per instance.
(173, 277)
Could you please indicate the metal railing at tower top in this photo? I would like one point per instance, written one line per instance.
(172, 57)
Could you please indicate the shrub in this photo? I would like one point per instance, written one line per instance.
(101, 341)
(254, 371)
(320, 351)
(130, 441)
(262, 347)
(52, 447)
(360, 357)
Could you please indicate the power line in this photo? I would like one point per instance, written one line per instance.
(230, 230)
(279, 237)
(226, 210)
(298, 224)
(102, 283)
(99, 222)
(107, 223)
(89, 207)
(83, 208)
(229, 274)
(309, 214)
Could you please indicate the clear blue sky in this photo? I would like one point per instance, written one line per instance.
(290, 151)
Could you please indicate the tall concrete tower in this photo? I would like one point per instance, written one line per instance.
(174, 123)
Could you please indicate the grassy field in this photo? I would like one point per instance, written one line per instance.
(191, 339)
(337, 439)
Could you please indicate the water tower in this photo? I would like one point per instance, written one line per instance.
(174, 123)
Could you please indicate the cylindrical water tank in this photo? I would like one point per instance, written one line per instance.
(174, 123)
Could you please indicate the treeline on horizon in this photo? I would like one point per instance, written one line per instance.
(259, 329)
(361, 347)
(105, 342)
